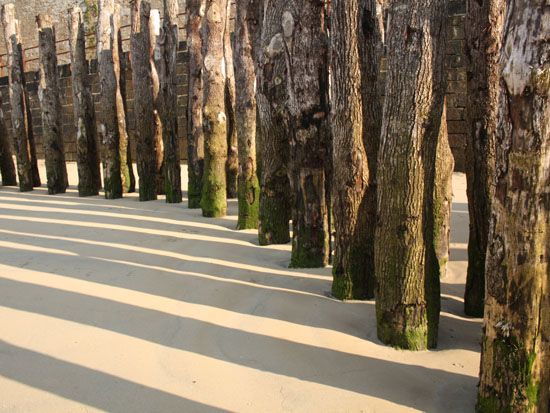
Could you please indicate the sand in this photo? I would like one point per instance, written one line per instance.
(124, 306)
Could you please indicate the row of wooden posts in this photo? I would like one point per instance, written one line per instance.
(153, 63)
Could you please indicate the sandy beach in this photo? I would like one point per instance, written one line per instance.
(124, 306)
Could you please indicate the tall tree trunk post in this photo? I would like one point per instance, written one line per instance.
(274, 149)
(50, 104)
(155, 55)
(195, 135)
(232, 168)
(87, 157)
(246, 28)
(484, 25)
(109, 134)
(515, 356)
(407, 271)
(7, 167)
(351, 172)
(126, 164)
(214, 190)
(18, 101)
(303, 25)
(140, 52)
(169, 103)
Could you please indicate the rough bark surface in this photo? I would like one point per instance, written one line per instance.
(50, 104)
(232, 168)
(18, 101)
(371, 46)
(87, 156)
(246, 29)
(271, 95)
(119, 59)
(304, 30)
(350, 162)
(484, 26)
(443, 197)
(515, 358)
(109, 134)
(7, 167)
(141, 54)
(214, 190)
(407, 273)
(195, 136)
(155, 55)
(168, 102)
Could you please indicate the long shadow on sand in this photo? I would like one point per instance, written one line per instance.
(351, 371)
(90, 387)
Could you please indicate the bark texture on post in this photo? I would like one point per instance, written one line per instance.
(87, 156)
(371, 45)
(19, 115)
(169, 102)
(246, 29)
(350, 162)
(484, 25)
(155, 55)
(214, 191)
(119, 59)
(141, 53)
(274, 149)
(109, 134)
(232, 168)
(515, 357)
(407, 272)
(195, 135)
(443, 197)
(50, 104)
(304, 31)
(7, 167)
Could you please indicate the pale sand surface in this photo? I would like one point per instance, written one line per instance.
(124, 306)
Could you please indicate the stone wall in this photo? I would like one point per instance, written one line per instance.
(26, 9)
(68, 128)
(456, 81)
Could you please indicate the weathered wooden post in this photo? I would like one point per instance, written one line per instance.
(195, 135)
(7, 167)
(27, 167)
(143, 99)
(87, 157)
(48, 94)
(119, 60)
(232, 166)
(155, 53)
(169, 102)
(214, 196)
(109, 135)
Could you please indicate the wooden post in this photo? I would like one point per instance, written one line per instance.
(143, 100)
(214, 196)
(195, 135)
(87, 157)
(48, 94)
(119, 60)
(109, 135)
(232, 165)
(169, 103)
(27, 167)
(154, 55)
(7, 167)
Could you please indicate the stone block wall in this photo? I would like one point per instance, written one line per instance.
(456, 74)
(456, 81)
(68, 128)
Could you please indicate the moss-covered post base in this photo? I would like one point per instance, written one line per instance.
(249, 202)
(407, 328)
